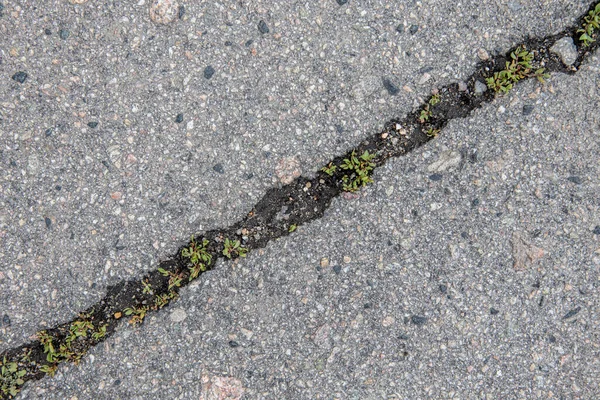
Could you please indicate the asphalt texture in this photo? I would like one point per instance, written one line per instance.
(475, 277)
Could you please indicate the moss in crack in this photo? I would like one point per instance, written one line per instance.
(591, 23)
(518, 68)
(359, 170)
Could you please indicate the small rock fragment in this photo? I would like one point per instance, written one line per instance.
(418, 320)
(20, 77)
(164, 11)
(178, 315)
(92, 124)
(447, 159)
(219, 168)
(221, 388)
(390, 87)
(324, 262)
(413, 29)
(483, 55)
(288, 169)
(179, 118)
(528, 109)
(209, 72)
(426, 77)
(64, 34)
(262, 27)
(342, 2)
(524, 253)
(572, 313)
(567, 51)
(480, 87)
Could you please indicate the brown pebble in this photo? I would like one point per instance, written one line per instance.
(164, 11)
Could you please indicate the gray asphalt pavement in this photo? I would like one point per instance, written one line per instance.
(469, 269)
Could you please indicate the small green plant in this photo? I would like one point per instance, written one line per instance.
(233, 248)
(46, 340)
(435, 99)
(11, 378)
(78, 329)
(49, 369)
(26, 357)
(329, 169)
(137, 314)
(518, 68)
(198, 257)
(160, 301)
(100, 333)
(425, 114)
(292, 228)
(174, 280)
(360, 169)
(147, 287)
(591, 22)
(432, 132)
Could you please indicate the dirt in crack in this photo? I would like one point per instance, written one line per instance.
(283, 209)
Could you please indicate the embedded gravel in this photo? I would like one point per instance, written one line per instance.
(119, 138)
(409, 291)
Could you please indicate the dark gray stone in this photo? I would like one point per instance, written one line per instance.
(262, 27)
(20, 76)
(209, 72)
(390, 87)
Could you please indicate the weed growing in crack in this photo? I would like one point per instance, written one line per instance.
(198, 257)
(49, 369)
(70, 348)
(147, 287)
(233, 248)
(100, 333)
(46, 341)
(518, 68)
(137, 314)
(11, 378)
(174, 279)
(426, 112)
(360, 169)
(591, 22)
(329, 169)
(292, 228)
(432, 132)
